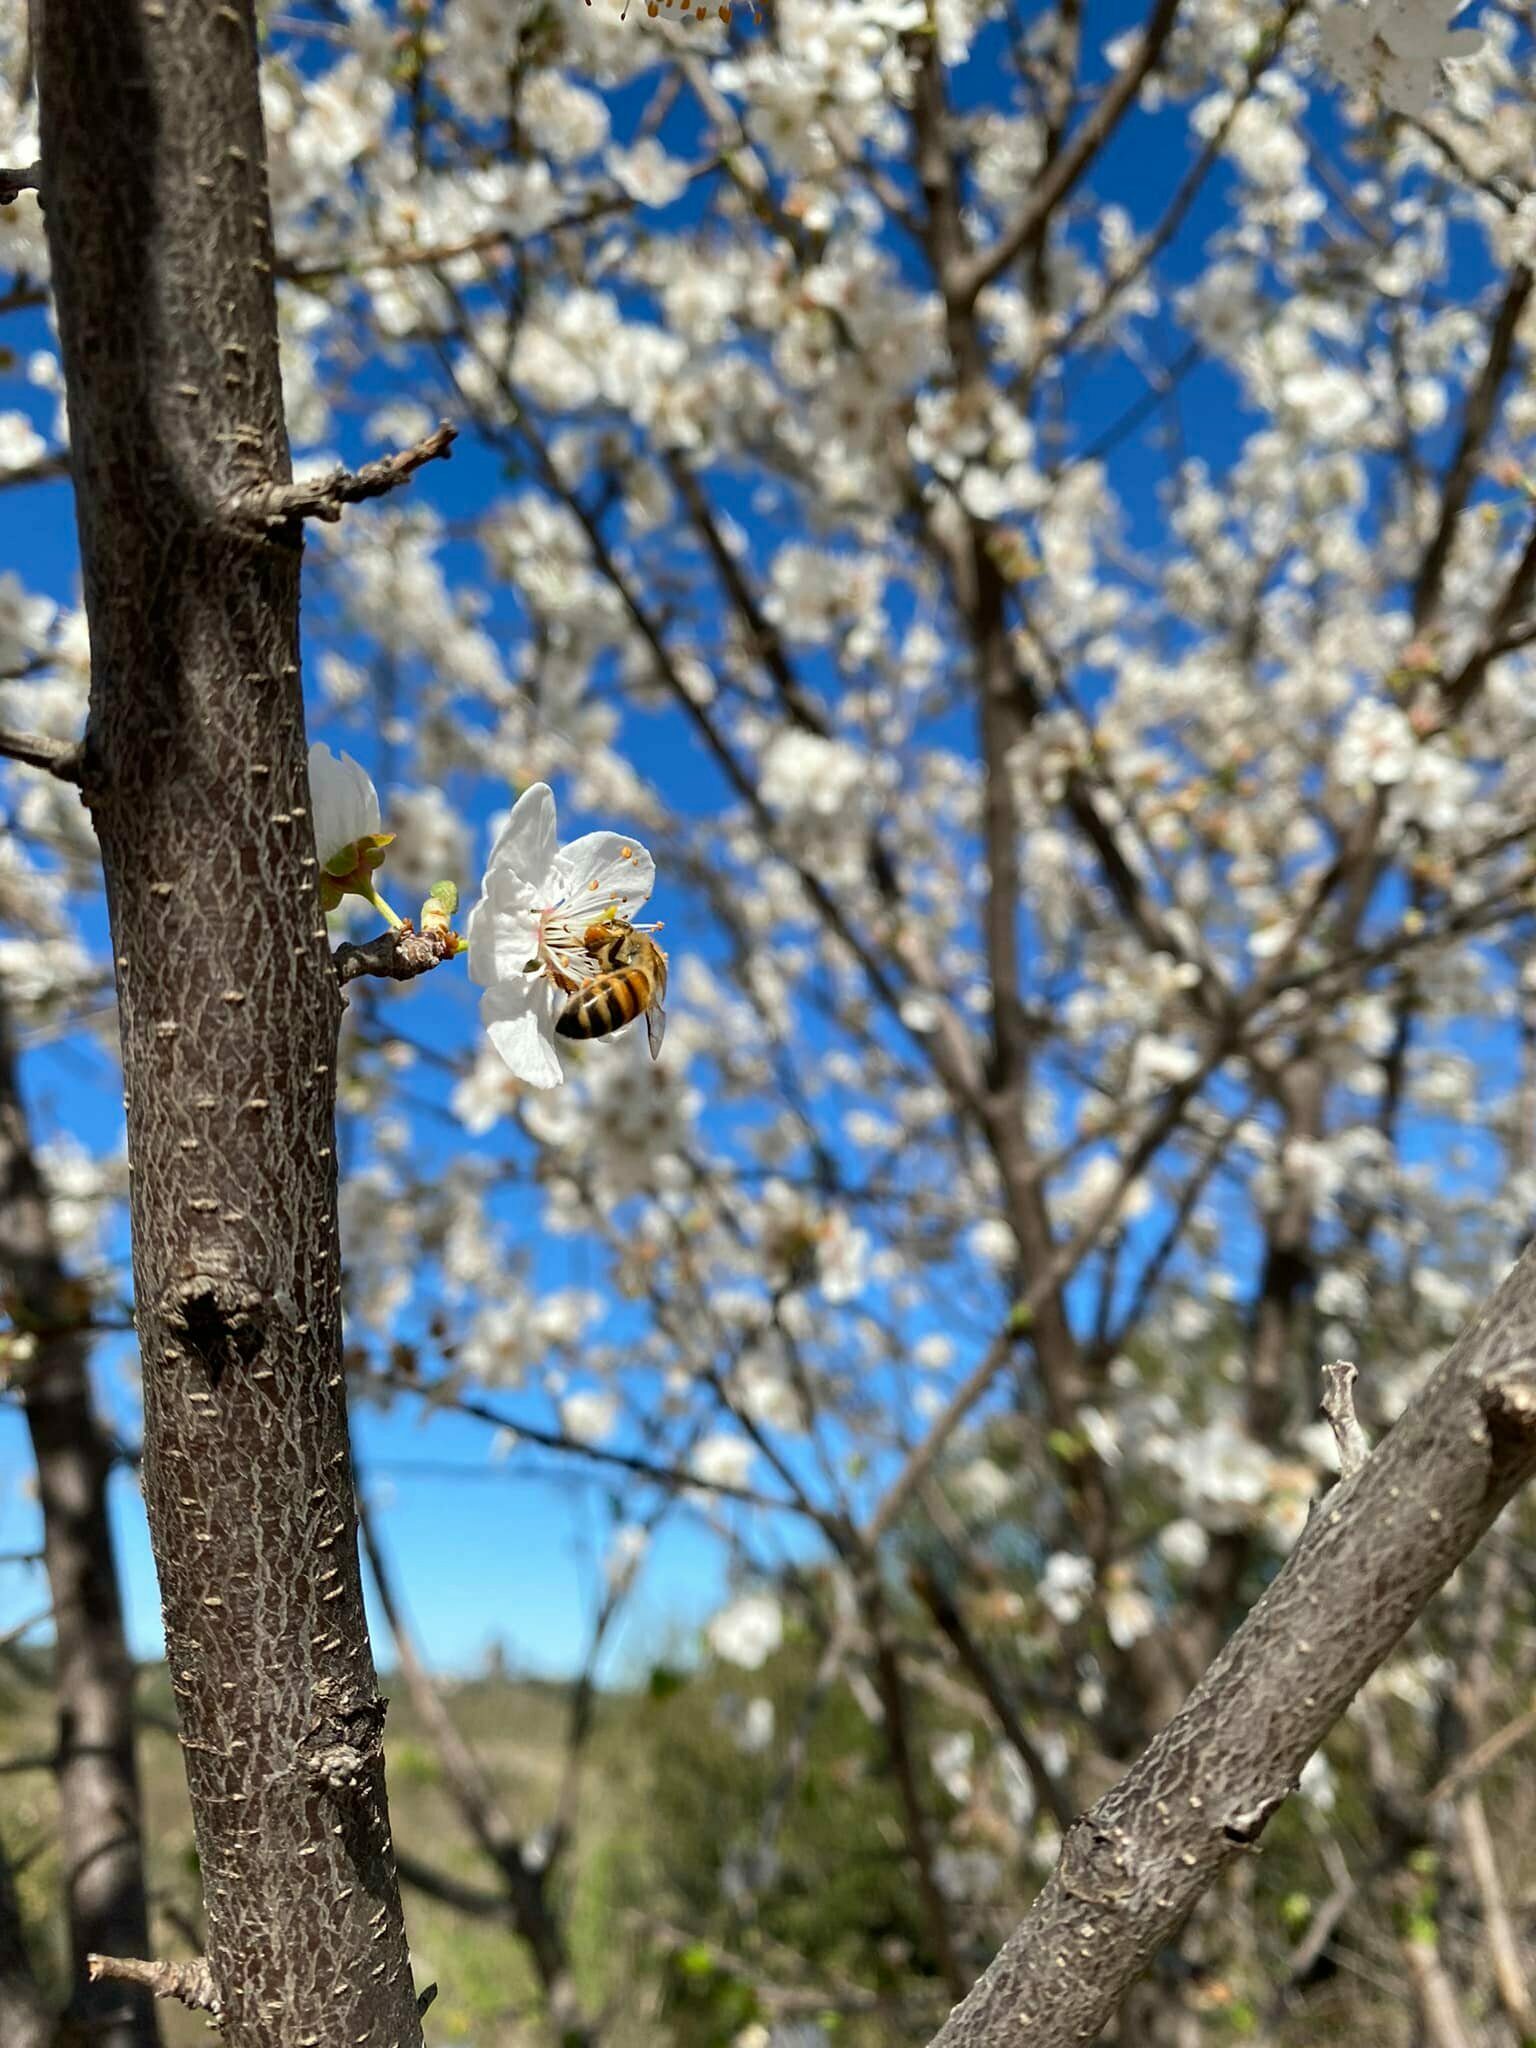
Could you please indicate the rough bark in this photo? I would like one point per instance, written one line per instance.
(1373, 1555)
(194, 768)
(526, 1904)
(101, 1845)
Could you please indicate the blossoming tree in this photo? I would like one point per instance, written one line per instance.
(1020, 531)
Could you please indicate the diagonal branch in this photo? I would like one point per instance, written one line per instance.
(1477, 421)
(971, 275)
(952, 1624)
(1134, 1867)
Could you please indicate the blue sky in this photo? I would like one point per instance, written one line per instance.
(488, 1553)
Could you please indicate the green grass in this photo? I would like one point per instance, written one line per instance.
(487, 1993)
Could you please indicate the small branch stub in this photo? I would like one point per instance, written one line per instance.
(190, 1982)
(1339, 1407)
(268, 506)
(398, 955)
(14, 182)
(59, 757)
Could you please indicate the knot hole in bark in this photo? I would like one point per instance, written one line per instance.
(1095, 1866)
(1509, 1410)
(214, 1326)
(344, 1745)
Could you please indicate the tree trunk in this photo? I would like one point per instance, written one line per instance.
(102, 1845)
(160, 234)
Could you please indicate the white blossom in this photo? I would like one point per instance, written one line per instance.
(805, 776)
(589, 1417)
(748, 1631)
(723, 1460)
(528, 929)
(1065, 1585)
(344, 805)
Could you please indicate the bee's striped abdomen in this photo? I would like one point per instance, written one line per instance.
(605, 1004)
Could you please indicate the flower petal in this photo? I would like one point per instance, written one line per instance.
(607, 872)
(525, 845)
(502, 929)
(343, 803)
(519, 1018)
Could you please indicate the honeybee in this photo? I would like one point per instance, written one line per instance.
(631, 980)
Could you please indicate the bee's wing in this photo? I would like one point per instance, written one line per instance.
(655, 1027)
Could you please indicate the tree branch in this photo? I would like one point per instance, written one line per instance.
(190, 1982)
(1499, 1928)
(47, 469)
(1477, 420)
(1134, 1867)
(968, 277)
(62, 758)
(272, 505)
(952, 1624)
(1485, 1756)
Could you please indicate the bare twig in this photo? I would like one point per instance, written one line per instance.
(191, 1982)
(1503, 1942)
(35, 750)
(47, 469)
(942, 1606)
(477, 1902)
(1477, 421)
(1324, 1923)
(673, 1478)
(1339, 1407)
(916, 1822)
(1485, 1755)
(273, 505)
(1434, 1992)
